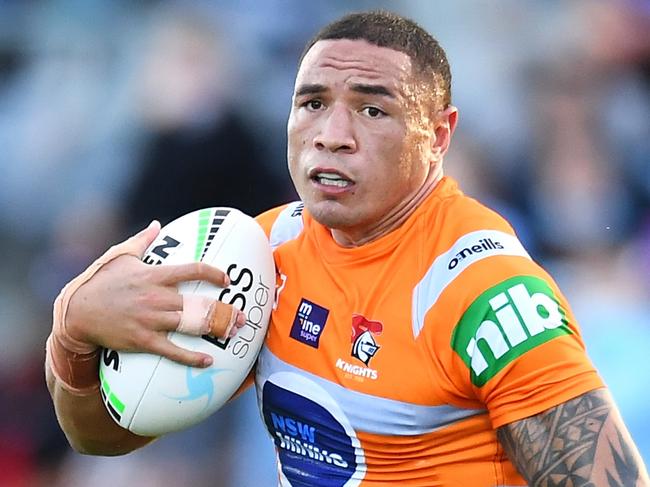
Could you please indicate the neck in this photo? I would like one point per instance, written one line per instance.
(350, 238)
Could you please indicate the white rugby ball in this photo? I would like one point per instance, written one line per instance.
(151, 395)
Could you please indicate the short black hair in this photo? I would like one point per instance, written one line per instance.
(387, 29)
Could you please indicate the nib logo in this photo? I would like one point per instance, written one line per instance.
(364, 346)
(505, 322)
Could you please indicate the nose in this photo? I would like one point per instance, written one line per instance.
(337, 132)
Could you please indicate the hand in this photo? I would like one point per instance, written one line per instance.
(129, 305)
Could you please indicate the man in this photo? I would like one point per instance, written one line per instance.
(414, 341)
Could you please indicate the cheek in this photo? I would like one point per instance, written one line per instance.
(383, 178)
(389, 145)
(294, 146)
(297, 139)
(415, 157)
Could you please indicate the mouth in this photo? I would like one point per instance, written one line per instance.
(330, 178)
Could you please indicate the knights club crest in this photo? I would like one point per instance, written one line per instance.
(364, 346)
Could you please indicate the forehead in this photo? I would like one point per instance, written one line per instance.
(347, 60)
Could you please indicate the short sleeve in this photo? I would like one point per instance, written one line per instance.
(514, 344)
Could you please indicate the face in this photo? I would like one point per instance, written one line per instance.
(360, 142)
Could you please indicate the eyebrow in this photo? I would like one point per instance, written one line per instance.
(310, 89)
(372, 90)
(315, 89)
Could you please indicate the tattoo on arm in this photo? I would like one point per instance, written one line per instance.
(582, 442)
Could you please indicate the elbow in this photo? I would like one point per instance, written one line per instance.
(97, 448)
(111, 448)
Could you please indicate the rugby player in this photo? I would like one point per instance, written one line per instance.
(414, 340)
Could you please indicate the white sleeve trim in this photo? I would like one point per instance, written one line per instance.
(467, 250)
(288, 225)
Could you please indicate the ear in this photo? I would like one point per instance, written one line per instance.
(444, 127)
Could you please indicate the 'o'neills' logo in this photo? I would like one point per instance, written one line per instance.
(482, 245)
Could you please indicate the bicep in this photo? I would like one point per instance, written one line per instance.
(582, 441)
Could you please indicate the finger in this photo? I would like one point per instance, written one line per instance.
(135, 245)
(205, 316)
(165, 320)
(225, 320)
(140, 242)
(195, 271)
(160, 345)
(162, 299)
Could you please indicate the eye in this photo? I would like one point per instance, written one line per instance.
(373, 112)
(313, 105)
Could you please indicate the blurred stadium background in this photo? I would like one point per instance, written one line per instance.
(113, 112)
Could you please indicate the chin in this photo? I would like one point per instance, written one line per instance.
(331, 214)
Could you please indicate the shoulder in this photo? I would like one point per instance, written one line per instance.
(460, 232)
(460, 213)
(449, 214)
(497, 320)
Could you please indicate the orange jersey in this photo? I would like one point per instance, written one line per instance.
(393, 363)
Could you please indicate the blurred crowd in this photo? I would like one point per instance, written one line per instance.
(113, 113)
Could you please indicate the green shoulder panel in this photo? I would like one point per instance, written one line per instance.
(505, 322)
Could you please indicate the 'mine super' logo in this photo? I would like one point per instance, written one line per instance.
(309, 323)
(505, 322)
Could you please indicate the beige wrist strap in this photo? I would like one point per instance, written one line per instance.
(74, 372)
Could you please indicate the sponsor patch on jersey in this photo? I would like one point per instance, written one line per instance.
(505, 322)
(364, 345)
(315, 445)
(309, 323)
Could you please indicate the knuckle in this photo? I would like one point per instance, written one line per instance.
(148, 299)
(141, 296)
(141, 302)
(147, 273)
(148, 320)
(200, 269)
(156, 298)
(142, 338)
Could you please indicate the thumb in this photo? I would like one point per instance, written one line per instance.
(140, 242)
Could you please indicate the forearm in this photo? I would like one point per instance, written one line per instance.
(583, 439)
(121, 303)
(81, 413)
